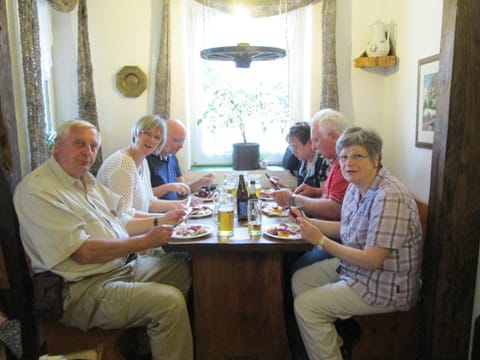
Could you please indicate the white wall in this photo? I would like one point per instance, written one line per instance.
(386, 98)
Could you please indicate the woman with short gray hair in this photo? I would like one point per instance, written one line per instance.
(377, 249)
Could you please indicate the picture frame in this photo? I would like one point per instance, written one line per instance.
(427, 95)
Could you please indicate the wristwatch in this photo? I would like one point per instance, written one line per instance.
(292, 199)
(155, 221)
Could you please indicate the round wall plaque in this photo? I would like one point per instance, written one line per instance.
(131, 81)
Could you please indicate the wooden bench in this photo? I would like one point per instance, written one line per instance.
(61, 340)
(391, 336)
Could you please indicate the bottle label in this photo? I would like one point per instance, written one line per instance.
(242, 210)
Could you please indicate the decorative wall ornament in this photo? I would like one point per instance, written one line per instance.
(131, 81)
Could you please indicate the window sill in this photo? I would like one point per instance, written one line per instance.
(224, 168)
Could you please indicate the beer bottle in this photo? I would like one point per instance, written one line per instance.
(252, 191)
(242, 199)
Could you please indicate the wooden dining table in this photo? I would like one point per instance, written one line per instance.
(238, 292)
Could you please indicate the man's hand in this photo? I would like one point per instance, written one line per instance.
(179, 187)
(307, 190)
(282, 197)
(206, 179)
(159, 235)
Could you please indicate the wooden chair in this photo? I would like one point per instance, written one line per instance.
(16, 297)
(391, 336)
(63, 340)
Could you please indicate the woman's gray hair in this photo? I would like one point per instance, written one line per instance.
(365, 137)
(64, 129)
(150, 123)
(330, 120)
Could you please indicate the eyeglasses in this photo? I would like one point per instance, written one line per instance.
(294, 147)
(179, 141)
(354, 157)
(150, 135)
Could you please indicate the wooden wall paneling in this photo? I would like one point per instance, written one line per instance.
(453, 234)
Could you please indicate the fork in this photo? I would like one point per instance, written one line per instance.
(187, 212)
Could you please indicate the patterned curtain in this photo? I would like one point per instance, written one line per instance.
(63, 5)
(32, 78)
(29, 33)
(5, 149)
(258, 8)
(162, 77)
(329, 62)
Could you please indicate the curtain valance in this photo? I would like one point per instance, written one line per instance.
(63, 5)
(258, 8)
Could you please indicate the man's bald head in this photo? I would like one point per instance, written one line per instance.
(176, 135)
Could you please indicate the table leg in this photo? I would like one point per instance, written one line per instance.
(238, 306)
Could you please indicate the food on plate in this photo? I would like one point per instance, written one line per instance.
(274, 209)
(206, 193)
(200, 210)
(190, 230)
(284, 230)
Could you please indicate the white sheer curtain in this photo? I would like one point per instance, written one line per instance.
(293, 30)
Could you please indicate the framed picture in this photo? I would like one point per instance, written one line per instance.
(427, 94)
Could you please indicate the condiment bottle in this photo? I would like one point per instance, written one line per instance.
(252, 190)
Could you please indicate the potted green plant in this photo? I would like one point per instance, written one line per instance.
(240, 109)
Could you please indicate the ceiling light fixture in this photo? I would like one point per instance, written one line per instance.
(243, 54)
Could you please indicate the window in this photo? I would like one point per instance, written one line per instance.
(218, 87)
(46, 42)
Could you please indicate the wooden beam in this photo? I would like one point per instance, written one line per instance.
(452, 245)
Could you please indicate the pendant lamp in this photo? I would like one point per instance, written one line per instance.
(243, 54)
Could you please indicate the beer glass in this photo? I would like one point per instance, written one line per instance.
(230, 183)
(254, 215)
(223, 213)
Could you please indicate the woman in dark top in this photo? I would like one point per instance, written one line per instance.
(313, 168)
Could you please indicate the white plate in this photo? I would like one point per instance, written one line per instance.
(295, 227)
(268, 209)
(208, 229)
(208, 212)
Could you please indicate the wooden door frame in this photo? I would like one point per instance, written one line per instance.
(452, 245)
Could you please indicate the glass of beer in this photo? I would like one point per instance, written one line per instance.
(254, 215)
(230, 183)
(224, 210)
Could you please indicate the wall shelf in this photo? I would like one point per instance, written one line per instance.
(376, 61)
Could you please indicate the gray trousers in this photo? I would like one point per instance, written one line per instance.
(149, 291)
(321, 298)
